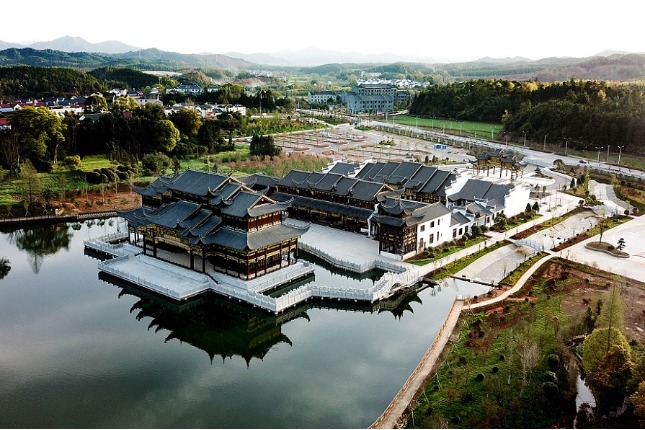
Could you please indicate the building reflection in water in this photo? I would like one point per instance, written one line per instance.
(224, 328)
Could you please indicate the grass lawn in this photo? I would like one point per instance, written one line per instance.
(467, 128)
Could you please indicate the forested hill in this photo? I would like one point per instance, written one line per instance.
(586, 113)
(617, 67)
(145, 59)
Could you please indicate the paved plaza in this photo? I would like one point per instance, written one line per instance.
(633, 267)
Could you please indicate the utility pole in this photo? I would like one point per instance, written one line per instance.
(544, 147)
(566, 145)
(607, 154)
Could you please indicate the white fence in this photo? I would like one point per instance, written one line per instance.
(398, 276)
(365, 266)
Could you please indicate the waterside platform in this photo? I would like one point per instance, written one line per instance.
(179, 283)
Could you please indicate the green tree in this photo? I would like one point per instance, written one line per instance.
(39, 132)
(595, 346)
(187, 121)
(614, 371)
(124, 104)
(30, 182)
(166, 135)
(95, 103)
(621, 244)
(264, 145)
(71, 162)
(612, 313)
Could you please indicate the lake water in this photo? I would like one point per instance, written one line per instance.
(81, 351)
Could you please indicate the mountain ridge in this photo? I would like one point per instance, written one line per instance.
(607, 65)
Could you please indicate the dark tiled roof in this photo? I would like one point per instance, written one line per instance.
(420, 177)
(344, 186)
(481, 190)
(366, 190)
(314, 178)
(224, 193)
(370, 171)
(331, 207)
(259, 180)
(204, 228)
(343, 168)
(472, 189)
(295, 178)
(420, 215)
(497, 191)
(458, 218)
(398, 207)
(195, 219)
(154, 188)
(268, 208)
(135, 217)
(328, 183)
(436, 182)
(238, 206)
(241, 240)
(196, 182)
(172, 214)
(406, 170)
(385, 172)
(427, 213)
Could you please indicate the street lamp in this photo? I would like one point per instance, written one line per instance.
(607, 154)
(566, 145)
(524, 131)
(506, 138)
(620, 149)
(598, 148)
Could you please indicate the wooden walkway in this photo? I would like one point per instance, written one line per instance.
(53, 219)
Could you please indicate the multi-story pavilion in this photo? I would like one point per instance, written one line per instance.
(217, 219)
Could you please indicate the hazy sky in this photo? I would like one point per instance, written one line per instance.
(443, 30)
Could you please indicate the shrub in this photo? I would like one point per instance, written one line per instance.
(550, 377)
(550, 389)
(479, 377)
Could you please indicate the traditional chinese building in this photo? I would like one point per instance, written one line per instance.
(216, 220)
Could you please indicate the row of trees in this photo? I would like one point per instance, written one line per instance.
(587, 113)
(43, 137)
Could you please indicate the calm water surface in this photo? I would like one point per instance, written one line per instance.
(79, 351)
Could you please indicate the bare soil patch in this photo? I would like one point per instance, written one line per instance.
(585, 285)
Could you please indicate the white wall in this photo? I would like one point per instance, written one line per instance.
(515, 202)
